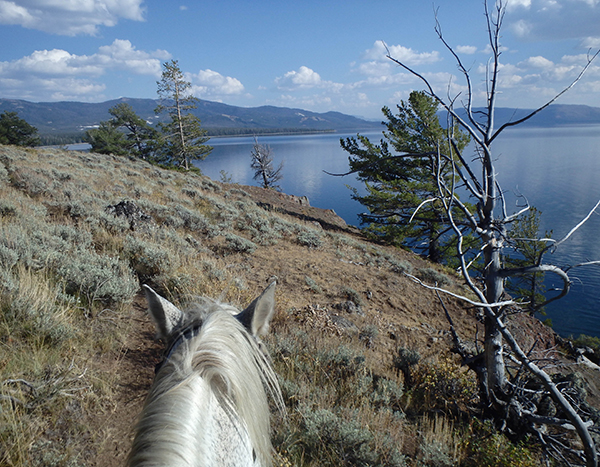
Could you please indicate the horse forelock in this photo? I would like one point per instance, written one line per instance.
(230, 364)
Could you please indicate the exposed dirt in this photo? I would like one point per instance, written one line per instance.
(404, 313)
(134, 363)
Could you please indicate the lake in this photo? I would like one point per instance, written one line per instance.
(557, 170)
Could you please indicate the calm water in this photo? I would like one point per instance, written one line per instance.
(557, 170)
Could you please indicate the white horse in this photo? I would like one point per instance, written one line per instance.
(208, 405)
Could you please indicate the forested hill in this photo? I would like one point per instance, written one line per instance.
(72, 117)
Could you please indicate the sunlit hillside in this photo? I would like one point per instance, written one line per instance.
(362, 350)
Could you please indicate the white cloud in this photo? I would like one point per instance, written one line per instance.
(58, 73)
(591, 43)
(122, 54)
(303, 78)
(553, 19)
(69, 17)
(211, 84)
(515, 4)
(37, 88)
(466, 49)
(403, 54)
(375, 68)
(537, 62)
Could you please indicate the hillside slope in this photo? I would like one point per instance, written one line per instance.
(70, 117)
(78, 355)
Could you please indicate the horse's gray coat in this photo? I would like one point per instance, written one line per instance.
(208, 406)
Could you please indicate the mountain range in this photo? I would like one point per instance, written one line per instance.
(72, 117)
(55, 118)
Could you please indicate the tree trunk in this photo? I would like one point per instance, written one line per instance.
(496, 371)
(434, 245)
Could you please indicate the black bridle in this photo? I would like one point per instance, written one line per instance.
(185, 334)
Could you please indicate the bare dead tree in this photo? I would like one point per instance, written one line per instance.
(262, 164)
(488, 222)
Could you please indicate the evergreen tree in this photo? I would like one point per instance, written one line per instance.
(107, 139)
(15, 130)
(528, 251)
(402, 193)
(184, 137)
(142, 139)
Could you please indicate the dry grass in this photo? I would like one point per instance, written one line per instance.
(75, 356)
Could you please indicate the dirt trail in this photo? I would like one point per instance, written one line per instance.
(134, 369)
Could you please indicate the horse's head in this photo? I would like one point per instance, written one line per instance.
(174, 326)
(210, 395)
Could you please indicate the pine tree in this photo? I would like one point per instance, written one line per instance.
(107, 139)
(184, 136)
(528, 251)
(142, 140)
(401, 192)
(15, 130)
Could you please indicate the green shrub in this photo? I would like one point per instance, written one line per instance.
(336, 441)
(341, 362)
(400, 266)
(112, 224)
(488, 448)
(239, 244)
(208, 184)
(369, 334)
(312, 285)
(444, 386)
(3, 174)
(97, 277)
(8, 257)
(386, 394)
(145, 258)
(259, 227)
(7, 208)
(433, 276)
(350, 294)
(404, 360)
(310, 238)
(587, 341)
(191, 220)
(34, 309)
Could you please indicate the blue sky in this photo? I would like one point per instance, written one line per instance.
(317, 55)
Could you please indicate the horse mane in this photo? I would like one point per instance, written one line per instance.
(222, 358)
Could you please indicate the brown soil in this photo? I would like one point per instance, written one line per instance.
(134, 369)
(404, 313)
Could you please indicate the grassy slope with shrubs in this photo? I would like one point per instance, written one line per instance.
(371, 387)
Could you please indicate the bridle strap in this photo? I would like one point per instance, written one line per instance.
(185, 334)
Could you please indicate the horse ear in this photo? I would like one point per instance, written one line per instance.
(257, 316)
(165, 315)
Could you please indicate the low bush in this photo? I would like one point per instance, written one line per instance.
(485, 447)
(147, 259)
(238, 244)
(433, 276)
(444, 386)
(310, 238)
(97, 277)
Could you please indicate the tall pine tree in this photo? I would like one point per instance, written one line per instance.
(401, 192)
(183, 134)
